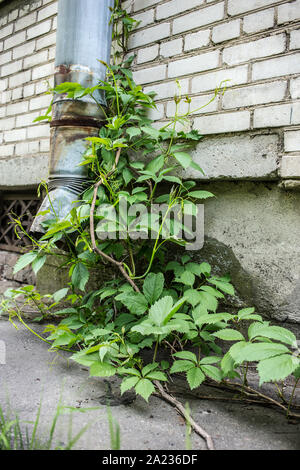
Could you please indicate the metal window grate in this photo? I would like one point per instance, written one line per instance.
(24, 206)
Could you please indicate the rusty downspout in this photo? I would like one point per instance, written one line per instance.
(83, 37)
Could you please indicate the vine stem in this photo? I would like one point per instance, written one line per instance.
(92, 229)
(246, 390)
(292, 396)
(183, 412)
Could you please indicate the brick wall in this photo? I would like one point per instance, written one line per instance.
(252, 43)
(27, 52)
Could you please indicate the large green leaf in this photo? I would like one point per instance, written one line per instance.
(229, 334)
(186, 278)
(80, 276)
(133, 131)
(188, 355)
(257, 351)
(227, 363)
(209, 319)
(153, 287)
(128, 383)
(201, 194)
(193, 297)
(157, 375)
(183, 158)
(145, 388)
(135, 302)
(223, 286)
(181, 366)
(85, 359)
(160, 310)
(278, 333)
(38, 263)
(174, 309)
(64, 339)
(102, 369)
(156, 164)
(195, 377)
(60, 294)
(212, 372)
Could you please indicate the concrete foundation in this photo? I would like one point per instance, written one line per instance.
(252, 232)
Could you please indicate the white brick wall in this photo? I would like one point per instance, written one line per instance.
(253, 44)
(28, 36)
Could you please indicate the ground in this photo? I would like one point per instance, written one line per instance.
(32, 373)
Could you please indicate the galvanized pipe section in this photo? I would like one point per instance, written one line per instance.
(83, 38)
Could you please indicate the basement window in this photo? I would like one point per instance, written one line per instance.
(16, 205)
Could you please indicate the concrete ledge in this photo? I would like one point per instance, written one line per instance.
(240, 157)
(23, 172)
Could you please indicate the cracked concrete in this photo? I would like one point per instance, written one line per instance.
(32, 372)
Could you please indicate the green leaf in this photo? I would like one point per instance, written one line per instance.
(24, 261)
(227, 363)
(160, 310)
(223, 286)
(210, 360)
(186, 278)
(255, 328)
(197, 167)
(153, 287)
(173, 179)
(183, 158)
(133, 131)
(102, 369)
(80, 276)
(193, 297)
(174, 309)
(60, 294)
(151, 131)
(212, 291)
(195, 377)
(278, 333)
(145, 388)
(257, 351)
(58, 227)
(128, 383)
(64, 339)
(128, 370)
(229, 334)
(157, 375)
(127, 175)
(189, 356)
(85, 359)
(38, 263)
(277, 368)
(149, 367)
(201, 194)
(181, 366)
(212, 319)
(156, 164)
(296, 373)
(135, 302)
(212, 372)
(245, 312)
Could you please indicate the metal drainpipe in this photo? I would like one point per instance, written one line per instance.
(83, 37)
